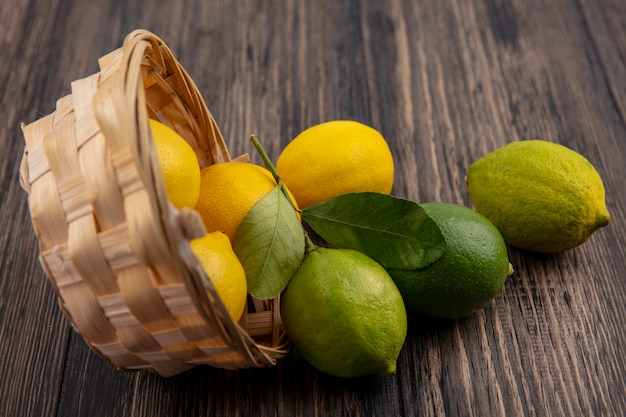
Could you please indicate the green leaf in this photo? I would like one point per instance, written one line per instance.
(395, 232)
(270, 244)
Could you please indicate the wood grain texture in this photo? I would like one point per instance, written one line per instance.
(445, 82)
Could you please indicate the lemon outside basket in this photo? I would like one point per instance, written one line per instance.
(115, 250)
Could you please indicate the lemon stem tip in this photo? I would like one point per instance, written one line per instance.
(603, 219)
(391, 370)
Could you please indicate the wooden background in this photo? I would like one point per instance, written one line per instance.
(445, 82)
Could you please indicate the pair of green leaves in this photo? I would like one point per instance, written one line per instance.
(395, 232)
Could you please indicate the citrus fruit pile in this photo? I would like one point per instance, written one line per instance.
(344, 300)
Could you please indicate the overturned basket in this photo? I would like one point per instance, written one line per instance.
(115, 250)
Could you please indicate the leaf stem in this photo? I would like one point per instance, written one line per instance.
(309, 245)
(271, 168)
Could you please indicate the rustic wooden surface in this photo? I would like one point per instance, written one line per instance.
(445, 82)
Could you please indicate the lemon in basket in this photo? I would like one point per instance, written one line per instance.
(179, 164)
(344, 314)
(542, 196)
(228, 190)
(216, 255)
(334, 158)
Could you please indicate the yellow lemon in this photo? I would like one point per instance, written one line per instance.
(334, 158)
(542, 196)
(216, 255)
(179, 164)
(228, 191)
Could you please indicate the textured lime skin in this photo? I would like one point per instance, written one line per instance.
(469, 274)
(344, 314)
(542, 196)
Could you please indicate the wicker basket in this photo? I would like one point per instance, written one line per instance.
(116, 251)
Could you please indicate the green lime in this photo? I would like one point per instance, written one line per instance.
(542, 196)
(469, 274)
(344, 314)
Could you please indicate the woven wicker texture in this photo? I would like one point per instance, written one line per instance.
(115, 250)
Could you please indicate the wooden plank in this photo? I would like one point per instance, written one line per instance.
(604, 22)
(277, 70)
(92, 386)
(33, 333)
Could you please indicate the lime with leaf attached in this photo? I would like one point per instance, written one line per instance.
(469, 274)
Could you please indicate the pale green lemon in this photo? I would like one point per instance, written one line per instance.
(542, 196)
(344, 314)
